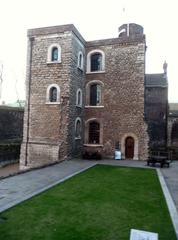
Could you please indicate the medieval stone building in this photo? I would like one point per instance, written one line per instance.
(90, 97)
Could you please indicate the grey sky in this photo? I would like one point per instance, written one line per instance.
(95, 19)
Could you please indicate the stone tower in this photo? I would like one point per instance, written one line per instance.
(54, 76)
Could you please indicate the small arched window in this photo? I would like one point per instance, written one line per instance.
(94, 133)
(95, 94)
(80, 60)
(78, 128)
(53, 94)
(54, 54)
(95, 61)
(79, 98)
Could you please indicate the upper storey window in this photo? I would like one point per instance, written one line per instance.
(95, 61)
(54, 54)
(95, 94)
(80, 60)
(53, 94)
(79, 98)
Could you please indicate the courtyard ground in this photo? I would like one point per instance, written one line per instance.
(104, 202)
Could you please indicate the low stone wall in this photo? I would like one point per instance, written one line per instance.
(11, 124)
(11, 130)
(9, 153)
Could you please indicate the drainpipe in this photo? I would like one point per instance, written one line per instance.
(29, 95)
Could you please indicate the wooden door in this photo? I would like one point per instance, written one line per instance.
(129, 148)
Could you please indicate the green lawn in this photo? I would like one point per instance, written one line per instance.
(102, 203)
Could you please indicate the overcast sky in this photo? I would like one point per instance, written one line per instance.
(95, 19)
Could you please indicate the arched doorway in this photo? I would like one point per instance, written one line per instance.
(129, 148)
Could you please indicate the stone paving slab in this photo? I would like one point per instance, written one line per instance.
(16, 189)
(171, 177)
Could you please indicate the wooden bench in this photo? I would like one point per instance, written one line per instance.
(160, 157)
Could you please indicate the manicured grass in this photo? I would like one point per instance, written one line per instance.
(103, 203)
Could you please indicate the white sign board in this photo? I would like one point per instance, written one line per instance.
(142, 235)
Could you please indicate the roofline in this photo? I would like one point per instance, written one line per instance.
(156, 85)
(55, 29)
(121, 41)
(5, 107)
(70, 27)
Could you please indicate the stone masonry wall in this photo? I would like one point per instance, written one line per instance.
(11, 123)
(77, 81)
(156, 116)
(123, 98)
(45, 139)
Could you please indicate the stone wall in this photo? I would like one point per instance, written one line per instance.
(46, 125)
(122, 113)
(77, 81)
(156, 109)
(11, 124)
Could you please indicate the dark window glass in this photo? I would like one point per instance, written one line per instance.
(95, 94)
(79, 98)
(96, 62)
(53, 95)
(94, 133)
(78, 128)
(80, 60)
(54, 56)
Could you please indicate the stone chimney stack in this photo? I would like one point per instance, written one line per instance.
(165, 65)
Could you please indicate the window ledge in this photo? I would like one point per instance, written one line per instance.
(53, 62)
(52, 103)
(79, 106)
(93, 145)
(103, 71)
(77, 138)
(80, 68)
(99, 106)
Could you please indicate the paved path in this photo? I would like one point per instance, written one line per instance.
(23, 186)
(171, 178)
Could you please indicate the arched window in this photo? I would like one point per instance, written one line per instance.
(79, 98)
(80, 60)
(54, 54)
(53, 94)
(94, 133)
(78, 128)
(95, 61)
(95, 94)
